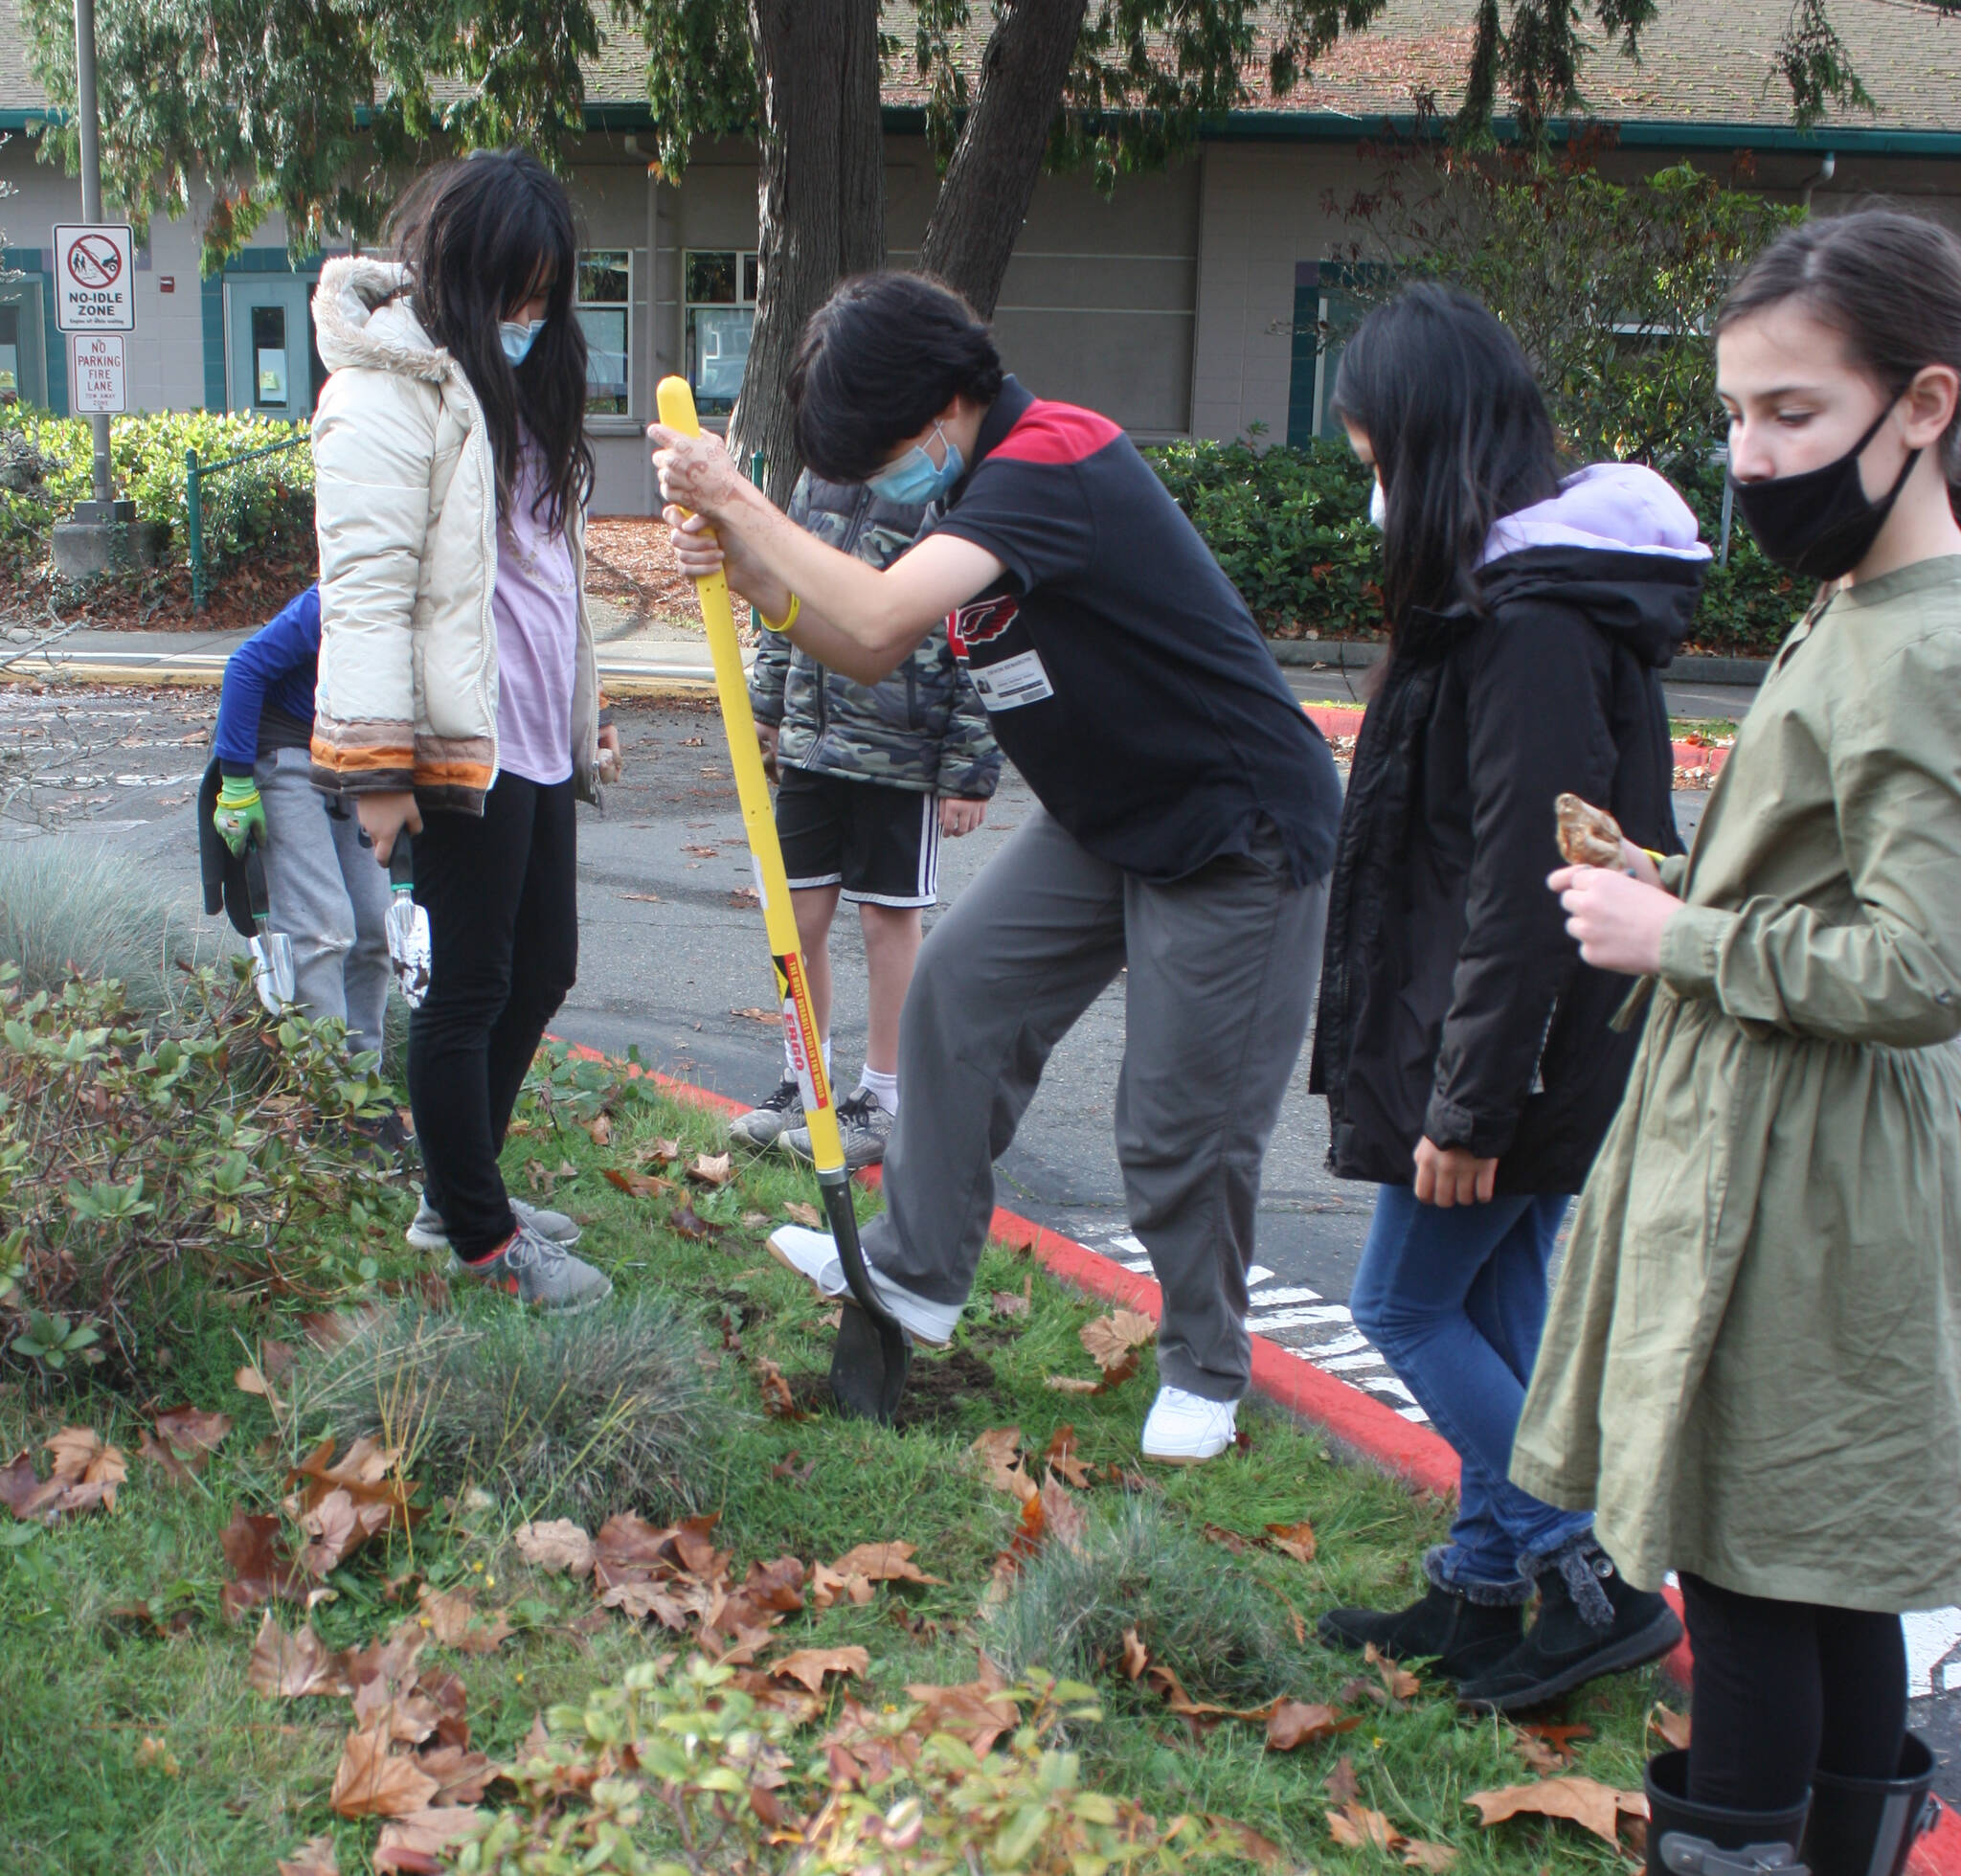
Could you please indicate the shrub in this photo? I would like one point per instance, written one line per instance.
(67, 907)
(264, 507)
(568, 1416)
(204, 1139)
(1225, 1636)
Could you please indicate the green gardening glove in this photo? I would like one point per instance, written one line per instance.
(239, 815)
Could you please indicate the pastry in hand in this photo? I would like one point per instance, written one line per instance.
(1589, 836)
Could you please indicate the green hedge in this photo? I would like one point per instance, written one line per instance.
(264, 507)
(1290, 529)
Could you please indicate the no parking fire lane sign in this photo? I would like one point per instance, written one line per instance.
(97, 383)
(95, 286)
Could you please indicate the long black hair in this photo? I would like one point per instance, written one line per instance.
(1888, 283)
(1460, 437)
(479, 237)
(877, 362)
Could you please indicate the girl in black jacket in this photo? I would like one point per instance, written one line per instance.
(1464, 1049)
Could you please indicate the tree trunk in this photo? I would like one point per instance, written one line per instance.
(996, 163)
(820, 197)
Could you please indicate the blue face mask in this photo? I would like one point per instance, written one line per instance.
(916, 478)
(518, 337)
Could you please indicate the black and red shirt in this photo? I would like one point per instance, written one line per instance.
(1122, 672)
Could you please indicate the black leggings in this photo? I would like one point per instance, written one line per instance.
(502, 894)
(1787, 1689)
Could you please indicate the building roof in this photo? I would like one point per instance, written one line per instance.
(1705, 63)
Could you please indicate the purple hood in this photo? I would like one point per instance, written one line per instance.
(1611, 508)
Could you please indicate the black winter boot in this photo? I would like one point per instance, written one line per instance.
(1462, 1637)
(1685, 1839)
(1868, 1827)
(1591, 1621)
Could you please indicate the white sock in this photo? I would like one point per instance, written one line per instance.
(882, 1088)
(790, 1066)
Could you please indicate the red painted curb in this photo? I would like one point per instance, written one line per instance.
(1346, 719)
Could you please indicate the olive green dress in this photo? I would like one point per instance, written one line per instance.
(1752, 1364)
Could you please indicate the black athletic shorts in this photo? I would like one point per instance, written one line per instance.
(880, 844)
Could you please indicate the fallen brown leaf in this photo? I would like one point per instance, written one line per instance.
(1059, 1455)
(460, 1774)
(1341, 1783)
(712, 1168)
(555, 1544)
(1419, 1855)
(664, 1152)
(999, 1449)
(1014, 1303)
(1135, 1656)
(1398, 1682)
(260, 1568)
(777, 1402)
(755, 1014)
(453, 1620)
(289, 1666)
(977, 1711)
(686, 1222)
(1557, 1738)
(639, 1185)
(1063, 1520)
(809, 1667)
(601, 1128)
(193, 1431)
(1673, 1726)
(1296, 1541)
(372, 1781)
(1585, 1801)
(1250, 1844)
(806, 1215)
(80, 1458)
(155, 1451)
(883, 1562)
(313, 1858)
(1361, 1828)
(1109, 1340)
(1297, 1722)
(415, 1841)
(153, 1755)
(1537, 1753)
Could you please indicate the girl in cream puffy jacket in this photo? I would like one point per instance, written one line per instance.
(458, 698)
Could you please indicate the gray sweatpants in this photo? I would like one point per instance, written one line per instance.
(328, 894)
(1222, 969)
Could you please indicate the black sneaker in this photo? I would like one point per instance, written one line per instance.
(1591, 1621)
(1464, 1638)
(764, 1125)
(865, 1125)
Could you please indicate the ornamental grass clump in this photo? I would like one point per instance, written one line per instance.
(1227, 1635)
(562, 1417)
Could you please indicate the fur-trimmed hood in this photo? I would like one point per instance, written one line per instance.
(362, 316)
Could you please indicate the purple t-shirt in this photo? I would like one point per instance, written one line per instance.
(535, 603)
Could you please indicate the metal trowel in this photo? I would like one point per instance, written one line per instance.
(408, 924)
(272, 952)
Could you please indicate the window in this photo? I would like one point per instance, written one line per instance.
(9, 355)
(269, 357)
(720, 308)
(606, 309)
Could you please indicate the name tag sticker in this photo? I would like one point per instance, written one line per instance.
(1012, 682)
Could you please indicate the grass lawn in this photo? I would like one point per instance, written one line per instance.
(131, 1740)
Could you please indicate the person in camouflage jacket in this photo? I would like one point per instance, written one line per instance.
(870, 777)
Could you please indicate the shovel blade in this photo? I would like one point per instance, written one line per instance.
(864, 1383)
(408, 947)
(272, 971)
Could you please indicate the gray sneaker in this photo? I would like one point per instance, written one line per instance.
(765, 1124)
(865, 1125)
(429, 1233)
(535, 1270)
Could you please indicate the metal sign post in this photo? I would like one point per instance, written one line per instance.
(92, 212)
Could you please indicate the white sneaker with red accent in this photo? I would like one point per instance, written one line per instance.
(1183, 1429)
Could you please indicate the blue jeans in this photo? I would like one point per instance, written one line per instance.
(1454, 1298)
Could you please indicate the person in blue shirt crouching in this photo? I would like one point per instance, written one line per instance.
(324, 890)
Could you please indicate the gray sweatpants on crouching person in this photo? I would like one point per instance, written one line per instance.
(327, 893)
(1222, 969)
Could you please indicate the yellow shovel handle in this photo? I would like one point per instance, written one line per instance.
(759, 822)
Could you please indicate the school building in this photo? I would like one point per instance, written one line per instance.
(1177, 305)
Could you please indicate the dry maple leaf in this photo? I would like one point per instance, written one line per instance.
(1135, 1656)
(19, 1482)
(977, 1711)
(1672, 1726)
(1250, 1843)
(333, 1528)
(460, 1775)
(1059, 1455)
(777, 1401)
(601, 1128)
(372, 1781)
(1399, 1681)
(452, 1615)
(260, 1568)
(1297, 1722)
(1341, 1783)
(80, 1458)
(555, 1544)
(883, 1562)
(1361, 1828)
(1015, 1303)
(639, 1185)
(415, 1841)
(1585, 1801)
(684, 1221)
(1537, 1753)
(999, 1449)
(313, 1858)
(712, 1168)
(664, 1152)
(1109, 1340)
(800, 1214)
(289, 1666)
(809, 1667)
(1556, 1738)
(157, 1453)
(1063, 1520)
(193, 1431)
(1419, 1855)
(1296, 1541)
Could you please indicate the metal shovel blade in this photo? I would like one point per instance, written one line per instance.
(866, 1381)
(408, 947)
(272, 971)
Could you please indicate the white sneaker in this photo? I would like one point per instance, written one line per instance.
(1183, 1429)
(814, 1254)
(428, 1232)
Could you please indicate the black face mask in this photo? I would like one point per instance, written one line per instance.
(1820, 524)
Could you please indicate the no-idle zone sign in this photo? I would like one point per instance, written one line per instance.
(94, 284)
(97, 383)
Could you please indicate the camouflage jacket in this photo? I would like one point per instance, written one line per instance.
(921, 728)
